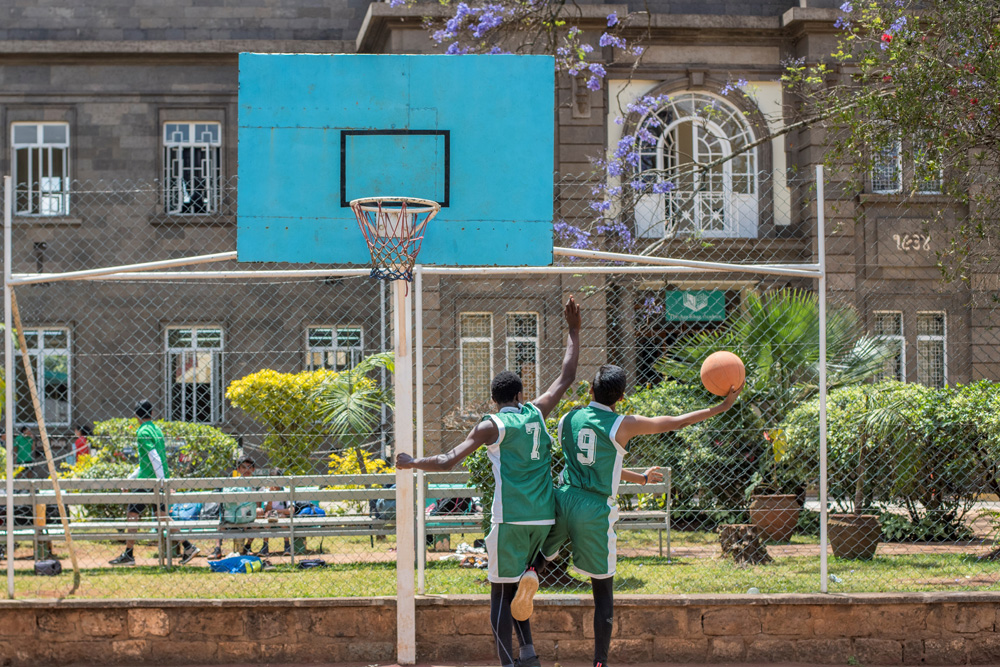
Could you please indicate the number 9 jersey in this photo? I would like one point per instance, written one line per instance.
(593, 456)
(522, 467)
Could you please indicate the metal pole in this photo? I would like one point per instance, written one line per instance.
(821, 252)
(772, 269)
(382, 348)
(804, 271)
(27, 279)
(421, 541)
(670, 486)
(8, 373)
(406, 646)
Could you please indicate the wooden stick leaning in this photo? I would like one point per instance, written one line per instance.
(32, 388)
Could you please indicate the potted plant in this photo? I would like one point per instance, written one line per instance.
(774, 513)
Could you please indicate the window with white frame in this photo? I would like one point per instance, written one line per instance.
(41, 168)
(889, 329)
(932, 349)
(887, 173)
(335, 348)
(692, 129)
(522, 350)
(49, 351)
(194, 374)
(475, 360)
(192, 172)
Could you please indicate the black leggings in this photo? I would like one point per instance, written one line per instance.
(501, 622)
(604, 617)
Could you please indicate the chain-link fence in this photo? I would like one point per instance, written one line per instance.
(283, 365)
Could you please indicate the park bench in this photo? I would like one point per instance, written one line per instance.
(119, 492)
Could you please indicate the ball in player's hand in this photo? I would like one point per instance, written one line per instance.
(721, 371)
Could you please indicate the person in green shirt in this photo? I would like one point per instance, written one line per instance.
(24, 447)
(519, 449)
(152, 450)
(594, 440)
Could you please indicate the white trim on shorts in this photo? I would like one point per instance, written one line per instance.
(492, 562)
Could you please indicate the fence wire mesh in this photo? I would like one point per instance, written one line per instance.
(259, 367)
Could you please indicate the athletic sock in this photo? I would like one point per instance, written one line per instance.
(604, 617)
(128, 552)
(501, 622)
(527, 652)
(186, 545)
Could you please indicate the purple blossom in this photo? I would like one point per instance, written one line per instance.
(572, 235)
(455, 50)
(597, 69)
(847, 8)
(396, 3)
(612, 19)
(638, 50)
(897, 25)
(638, 185)
(607, 39)
(586, 48)
(594, 83)
(600, 206)
(662, 187)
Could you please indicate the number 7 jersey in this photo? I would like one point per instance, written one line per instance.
(593, 456)
(522, 467)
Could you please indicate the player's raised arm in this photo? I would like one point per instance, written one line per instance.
(634, 425)
(484, 433)
(650, 476)
(547, 402)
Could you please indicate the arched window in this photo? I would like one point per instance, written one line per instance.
(697, 129)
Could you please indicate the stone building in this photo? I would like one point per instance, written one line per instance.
(120, 126)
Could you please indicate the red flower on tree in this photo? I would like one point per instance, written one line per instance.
(887, 38)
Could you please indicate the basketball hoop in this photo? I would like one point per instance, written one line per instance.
(394, 229)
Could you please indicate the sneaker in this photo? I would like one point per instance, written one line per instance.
(216, 554)
(522, 605)
(125, 559)
(189, 554)
(528, 662)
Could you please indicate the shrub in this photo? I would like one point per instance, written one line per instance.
(193, 450)
(347, 463)
(286, 405)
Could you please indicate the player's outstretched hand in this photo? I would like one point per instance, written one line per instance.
(404, 461)
(731, 397)
(572, 311)
(653, 475)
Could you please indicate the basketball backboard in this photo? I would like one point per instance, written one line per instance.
(473, 133)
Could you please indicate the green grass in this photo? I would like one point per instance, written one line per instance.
(639, 575)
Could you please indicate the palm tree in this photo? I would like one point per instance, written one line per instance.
(350, 402)
(777, 337)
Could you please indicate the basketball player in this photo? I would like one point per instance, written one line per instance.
(523, 508)
(594, 439)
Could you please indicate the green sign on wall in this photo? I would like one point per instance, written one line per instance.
(695, 305)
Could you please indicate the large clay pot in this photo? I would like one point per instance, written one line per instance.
(854, 536)
(775, 516)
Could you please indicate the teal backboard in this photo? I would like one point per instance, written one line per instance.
(473, 133)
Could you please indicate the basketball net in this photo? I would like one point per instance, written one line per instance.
(394, 231)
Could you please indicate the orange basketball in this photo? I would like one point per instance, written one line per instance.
(722, 370)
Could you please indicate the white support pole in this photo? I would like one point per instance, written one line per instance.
(821, 252)
(28, 279)
(406, 635)
(421, 541)
(8, 374)
(771, 269)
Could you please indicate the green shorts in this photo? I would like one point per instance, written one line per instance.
(511, 547)
(587, 521)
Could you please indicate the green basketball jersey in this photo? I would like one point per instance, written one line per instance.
(593, 457)
(522, 467)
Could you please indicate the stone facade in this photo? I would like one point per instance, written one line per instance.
(873, 629)
(116, 72)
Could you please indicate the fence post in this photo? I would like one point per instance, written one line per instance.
(8, 351)
(821, 252)
(418, 334)
(406, 648)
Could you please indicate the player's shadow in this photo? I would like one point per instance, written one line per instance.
(629, 583)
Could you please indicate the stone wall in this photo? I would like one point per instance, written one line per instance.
(874, 629)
